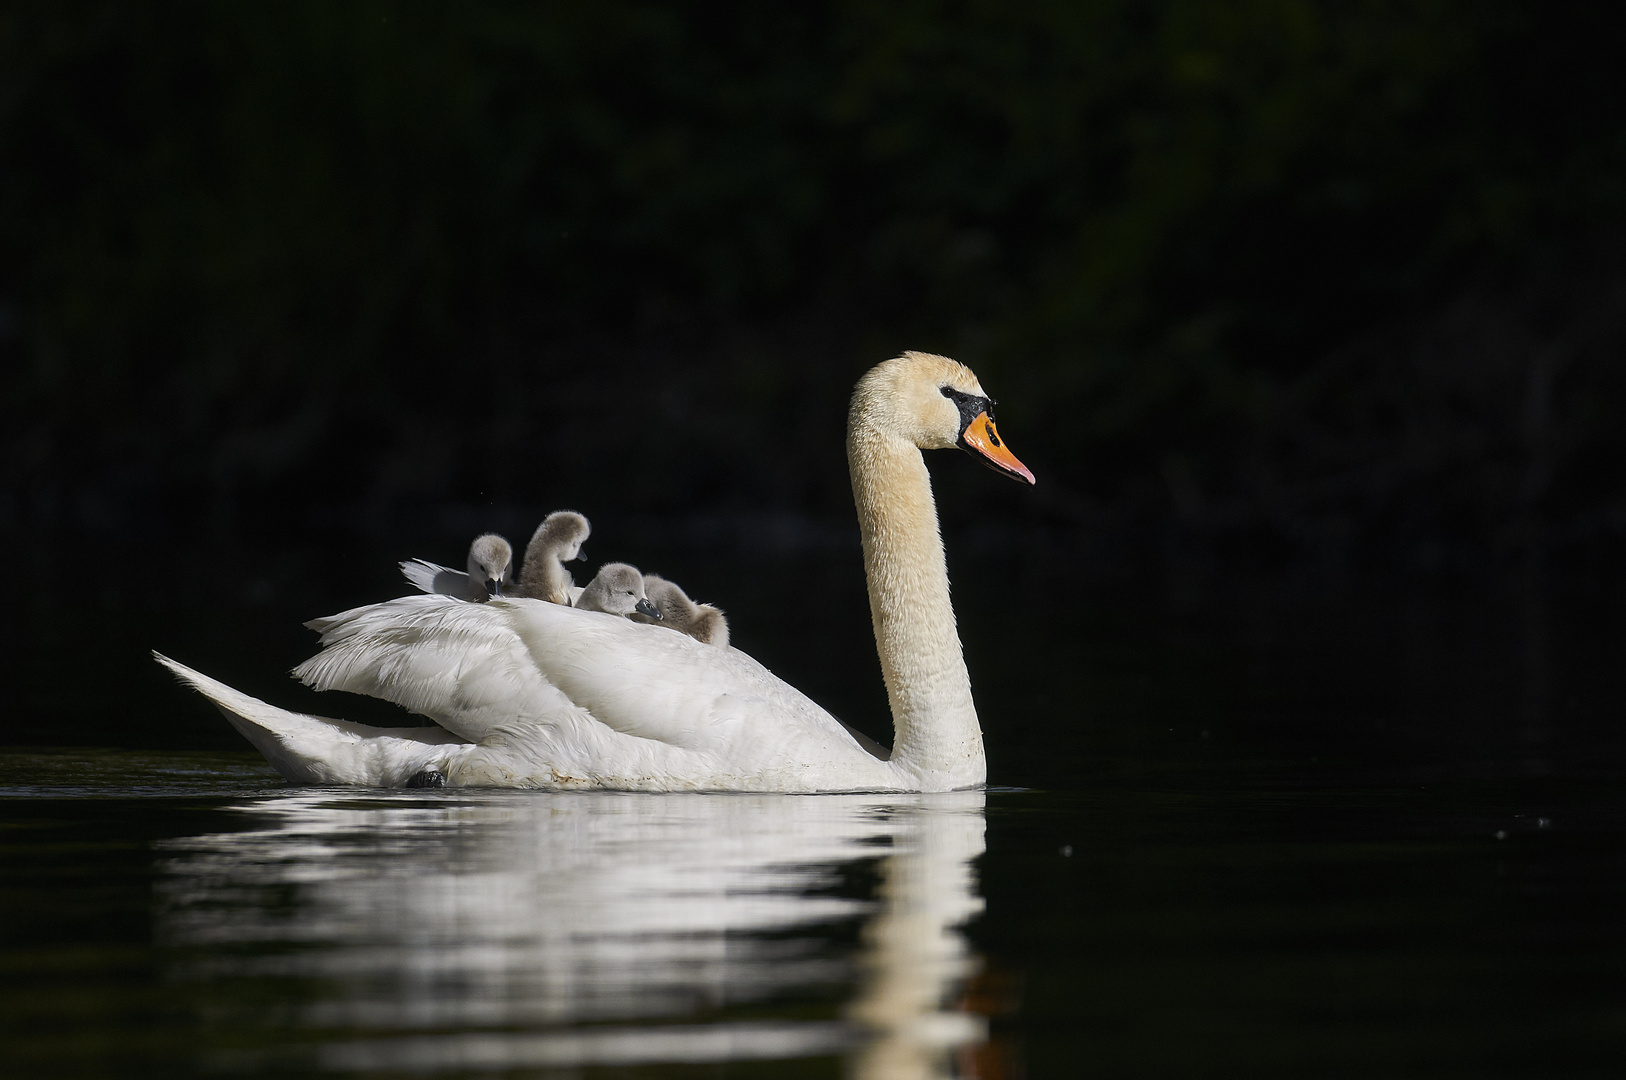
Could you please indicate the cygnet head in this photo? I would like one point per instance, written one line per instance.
(935, 403)
(700, 621)
(490, 561)
(669, 599)
(619, 590)
(562, 532)
(672, 604)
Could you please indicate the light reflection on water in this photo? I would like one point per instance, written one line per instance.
(508, 930)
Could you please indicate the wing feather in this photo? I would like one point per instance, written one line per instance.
(521, 666)
(433, 578)
(457, 663)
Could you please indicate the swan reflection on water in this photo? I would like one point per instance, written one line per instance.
(502, 930)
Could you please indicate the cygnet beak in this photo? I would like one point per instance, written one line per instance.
(646, 608)
(493, 587)
(580, 556)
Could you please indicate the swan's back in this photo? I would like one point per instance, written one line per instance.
(605, 689)
(648, 682)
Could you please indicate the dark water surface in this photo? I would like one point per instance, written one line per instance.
(1360, 834)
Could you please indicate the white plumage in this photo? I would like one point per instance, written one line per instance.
(434, 578)
(533, 694)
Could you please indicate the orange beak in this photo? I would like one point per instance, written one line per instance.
(982, 439)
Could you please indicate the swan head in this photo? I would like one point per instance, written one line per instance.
(669, 599)
(935, 403)
(618, 589)
(564, 532)
(490, 561)
(700, 621)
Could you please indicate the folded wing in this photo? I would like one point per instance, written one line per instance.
(478, 670)
(649, 682)
(457, 663)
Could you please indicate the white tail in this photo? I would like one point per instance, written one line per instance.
(318, 750)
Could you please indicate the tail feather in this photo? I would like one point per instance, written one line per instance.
(433, 578)
(318, 750)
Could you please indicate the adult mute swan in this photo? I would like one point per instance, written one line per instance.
(531, 694)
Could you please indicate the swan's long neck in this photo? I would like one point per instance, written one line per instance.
(936, 735)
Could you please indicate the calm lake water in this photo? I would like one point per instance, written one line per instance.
(1245, 830)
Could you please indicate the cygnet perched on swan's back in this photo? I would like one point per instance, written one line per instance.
(557, 540)
(700, 621)
(619, 590)
(491, 564)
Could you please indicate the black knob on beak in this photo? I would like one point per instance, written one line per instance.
(646, 608)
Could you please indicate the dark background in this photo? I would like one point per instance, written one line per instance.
(1270, 292)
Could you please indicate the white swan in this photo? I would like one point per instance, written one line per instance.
(491, 564)
(532, 694)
